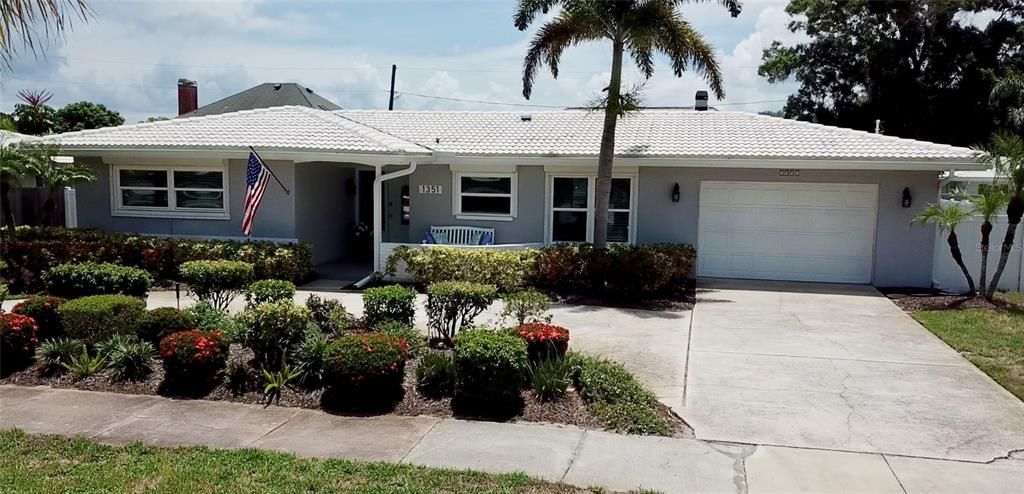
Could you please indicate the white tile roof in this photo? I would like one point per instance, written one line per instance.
(7, 138)
(290, 128)
(649, 133)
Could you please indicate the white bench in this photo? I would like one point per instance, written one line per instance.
(460, 235)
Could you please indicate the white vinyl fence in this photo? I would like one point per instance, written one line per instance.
(947, 275)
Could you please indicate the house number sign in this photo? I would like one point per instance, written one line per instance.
(789, 172)
(431, 189)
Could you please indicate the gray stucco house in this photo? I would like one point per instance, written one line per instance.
(760, 197)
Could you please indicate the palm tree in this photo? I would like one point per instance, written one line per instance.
(23, 22)
(1010, 89)
(637, 27)
(12, 168)
(988, 203)
(33, 116)
(54, 176)
(1006, 154)
(948, 218)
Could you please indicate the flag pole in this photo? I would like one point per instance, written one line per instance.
(272, 174)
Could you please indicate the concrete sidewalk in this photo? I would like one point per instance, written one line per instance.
(556, 453)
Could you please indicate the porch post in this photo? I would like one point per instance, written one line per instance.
(378, 214)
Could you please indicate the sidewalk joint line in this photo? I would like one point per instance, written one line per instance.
(689, 346)
(755, 354)
(575, 453)
(278, 426)
(418, 441)
(897, 477)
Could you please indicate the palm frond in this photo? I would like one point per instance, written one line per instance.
(685, 47)
(527, 11)
(1005, 154)
(733, 6)
(990, 201)
(24, 22)
(1008, 87)
(945, 217)
(568, 29)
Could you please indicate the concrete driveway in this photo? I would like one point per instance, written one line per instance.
(837, 367)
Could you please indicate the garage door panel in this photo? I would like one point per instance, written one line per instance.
(787, 231)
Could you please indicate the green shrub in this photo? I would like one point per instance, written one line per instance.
(367, 360)
(75, 280)
(526, 306)
(505, 269)
(17, 339)
(272, 331)
(550, 378)
(216, 282)
(616, 397)
(453, 305)
(389, 303)
(417, 343)
(43, 310)
(162, 321)
(98, 317)
(196, 355)
(490, 366)
(53, 354)
(544, 341)
(435, 374)
(207, 316)
(328, 314)
(86, 365)
(263, 291)
(629, 272)
(311, 354)
(32, 251)
(127, 357)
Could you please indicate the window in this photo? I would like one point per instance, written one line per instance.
(184, 192)
(572, 204)
(490, 196)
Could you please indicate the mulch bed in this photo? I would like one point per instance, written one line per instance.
(570, 410)
(918, 300)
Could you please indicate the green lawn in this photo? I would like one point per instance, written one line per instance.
(993, 339)
(31, 463)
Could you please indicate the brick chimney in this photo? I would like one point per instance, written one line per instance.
(188, 96)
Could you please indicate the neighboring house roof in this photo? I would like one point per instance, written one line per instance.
(649, 133)
(266, 95)
(288, 128)
(7, 137)
(974, 175)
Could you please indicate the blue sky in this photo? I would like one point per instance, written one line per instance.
(131, 54)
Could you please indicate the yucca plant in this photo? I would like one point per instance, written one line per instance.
(55, 354)
(85, 365)
(276, 381)
(127, 356)
(947, 218)
(551, 378)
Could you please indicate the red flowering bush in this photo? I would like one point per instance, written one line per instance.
(17, 339)
(544, 340)
(42, 309)
(372, 359)
(194, 354)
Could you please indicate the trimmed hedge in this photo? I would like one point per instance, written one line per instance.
(490, 366)
(264, 291)
(32, 251)
(44, 311)
(155, 324)
(194, 355)
(370, 360)
(75, 280)
(389, 303)
(632, 272)
(615, 396)
(454, 305)
(216, 282)
(505, 269)
(272, 331)
(98, 317)
(17, 340)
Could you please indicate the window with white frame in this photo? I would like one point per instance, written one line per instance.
(571, 209)
(485, 195)
(185, 191)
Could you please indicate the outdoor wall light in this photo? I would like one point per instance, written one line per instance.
(675, 193)
(906, 197)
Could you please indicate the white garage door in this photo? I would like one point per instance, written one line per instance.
(787, 231)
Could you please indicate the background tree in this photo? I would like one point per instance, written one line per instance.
(1005, 153)
(947, 218)
(988, 203)
(1009, 93)
(915, 64)
(33, 115)
(26, 24)
(12, 169)
(637, 28)
(85, 115)
(53, 175)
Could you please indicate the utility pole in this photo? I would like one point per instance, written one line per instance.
(391, 100)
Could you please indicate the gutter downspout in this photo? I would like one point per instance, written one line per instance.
(378, 214)
(942, 183)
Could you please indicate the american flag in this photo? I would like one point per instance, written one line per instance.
(256, 178)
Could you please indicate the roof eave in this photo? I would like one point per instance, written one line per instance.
(809, 163)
